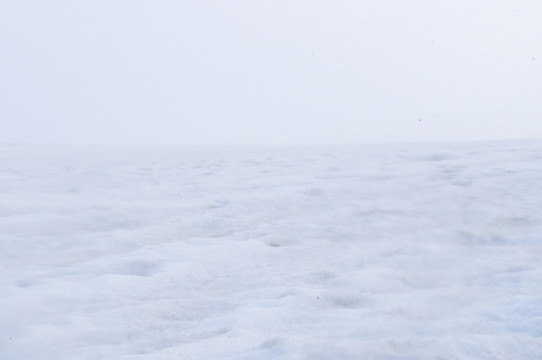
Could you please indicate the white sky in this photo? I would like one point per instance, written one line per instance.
(269, 72)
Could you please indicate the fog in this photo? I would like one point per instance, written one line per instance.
(269, 72)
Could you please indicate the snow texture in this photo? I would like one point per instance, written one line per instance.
(372, 252)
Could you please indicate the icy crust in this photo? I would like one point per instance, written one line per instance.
(376, 252)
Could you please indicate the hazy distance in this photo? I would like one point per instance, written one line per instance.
(269, 72)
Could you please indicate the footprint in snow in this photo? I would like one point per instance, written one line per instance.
(142, 268)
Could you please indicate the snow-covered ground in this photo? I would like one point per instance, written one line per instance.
(373, 252)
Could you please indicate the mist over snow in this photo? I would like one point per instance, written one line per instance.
(282, 72)
(372, 252)
(306, 250)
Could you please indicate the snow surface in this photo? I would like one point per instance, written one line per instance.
(377, 252)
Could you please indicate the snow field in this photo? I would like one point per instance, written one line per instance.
(377, 252)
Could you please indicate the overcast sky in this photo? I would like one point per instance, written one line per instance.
(269, 72)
